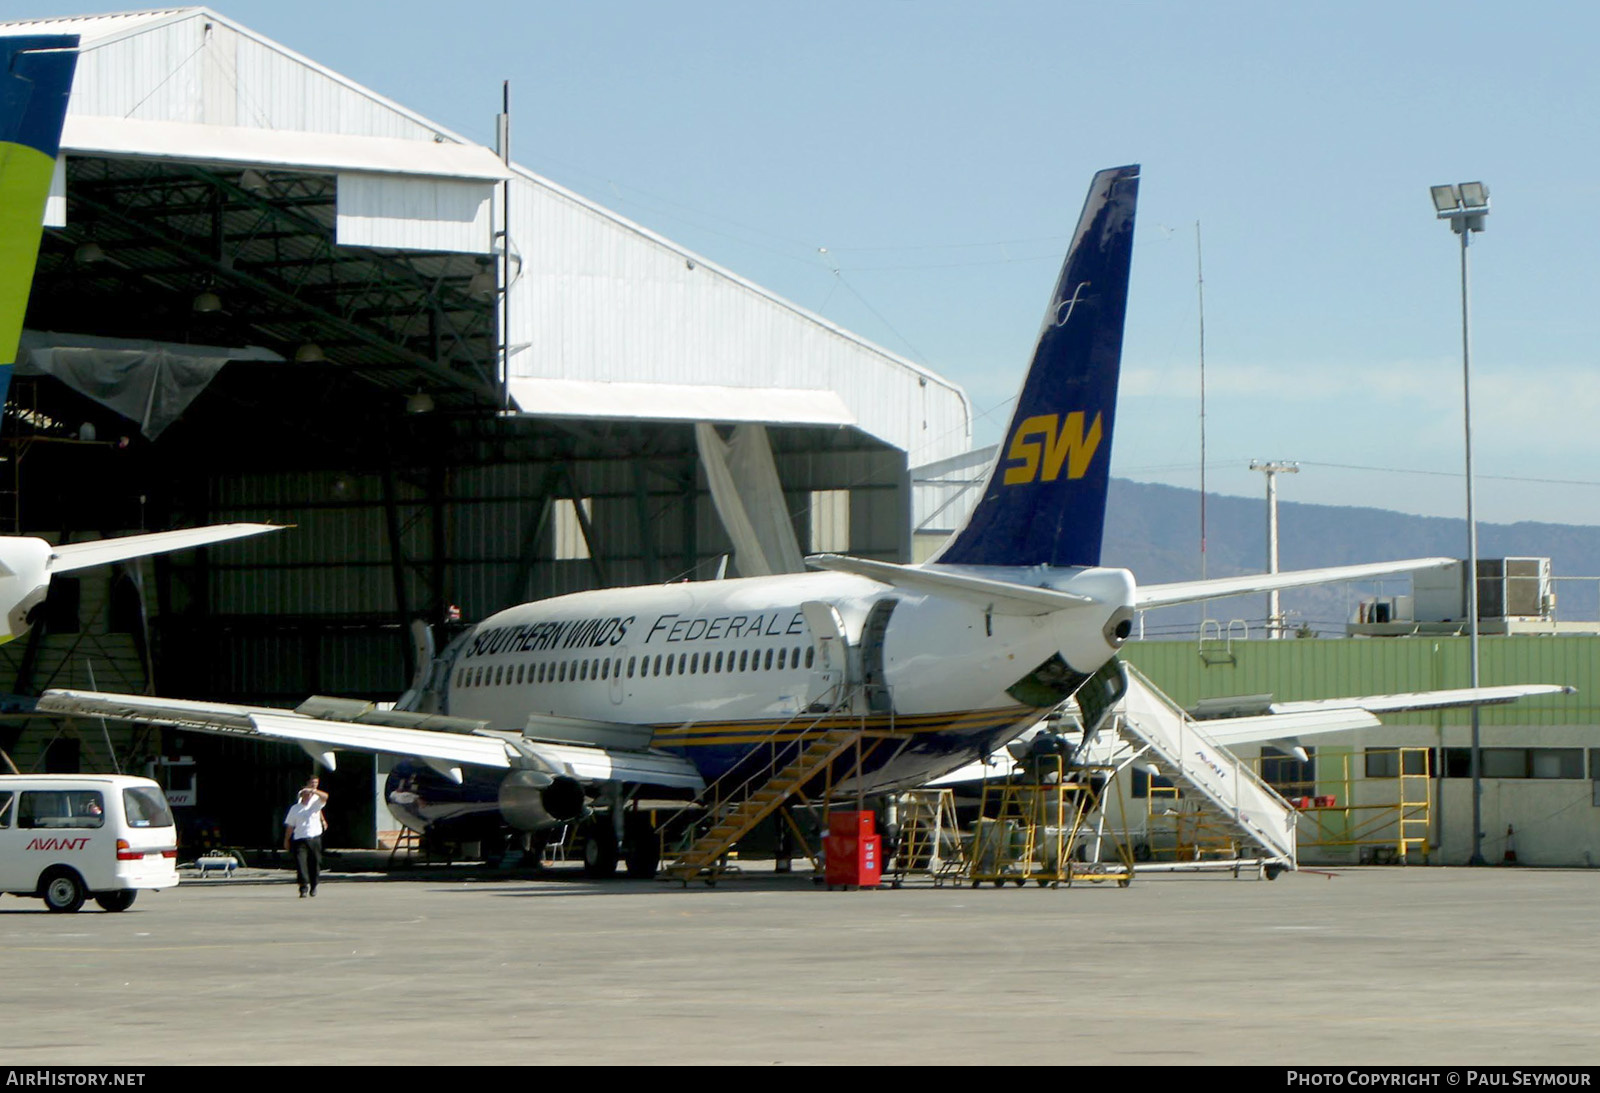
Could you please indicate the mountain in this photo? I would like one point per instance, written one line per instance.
(1154, 530)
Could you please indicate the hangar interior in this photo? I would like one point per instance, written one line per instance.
(266, 293)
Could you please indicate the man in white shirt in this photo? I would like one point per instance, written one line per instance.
(302, 833)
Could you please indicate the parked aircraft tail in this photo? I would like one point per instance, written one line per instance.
(34, 85)
(1045, 501)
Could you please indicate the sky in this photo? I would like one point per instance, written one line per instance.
(912, 170)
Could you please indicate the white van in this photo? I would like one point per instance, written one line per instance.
(68, 837)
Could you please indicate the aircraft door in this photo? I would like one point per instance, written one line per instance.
(620, 659)
(874, 683)
(826, 687)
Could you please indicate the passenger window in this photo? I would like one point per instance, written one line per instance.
(669, 664)
(769, 660)
(783, 656)
(811, 655)
(744, 660)
(694, 663)
(61, 808)
(719, 661)
(605, 669)
(631, 661)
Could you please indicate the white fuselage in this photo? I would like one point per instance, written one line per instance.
(715, 666)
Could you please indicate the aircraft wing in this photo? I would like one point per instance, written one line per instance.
(73, 556)
(590, 751)
(1165, 595)
(315, 734)
(1002, 596)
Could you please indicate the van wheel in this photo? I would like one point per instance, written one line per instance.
(63, 891)
(119, 900)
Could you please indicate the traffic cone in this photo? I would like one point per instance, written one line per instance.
(1511, 846)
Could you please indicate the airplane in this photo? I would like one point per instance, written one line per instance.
(34, 86)
(567, 709)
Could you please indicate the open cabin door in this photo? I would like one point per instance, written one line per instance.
(874, 681)
(828, 684)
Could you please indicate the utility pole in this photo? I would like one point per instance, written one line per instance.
(1272, 470)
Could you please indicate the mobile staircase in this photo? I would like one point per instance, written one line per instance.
(798, 752)
(1221, 794)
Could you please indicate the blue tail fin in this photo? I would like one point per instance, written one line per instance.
(1045, 502)
(35, 79)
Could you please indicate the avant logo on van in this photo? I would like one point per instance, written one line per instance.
(59, 844)
(1044, 442)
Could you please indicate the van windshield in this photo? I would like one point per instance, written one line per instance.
(146, 807)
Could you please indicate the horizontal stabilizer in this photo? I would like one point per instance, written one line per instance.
(1296, 719)
(1002, 597)
(1166, 595)
(74, 556)
(1429, 700)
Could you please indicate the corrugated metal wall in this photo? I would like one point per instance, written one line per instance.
(202, 69)
(1310, 668)
(599, 298)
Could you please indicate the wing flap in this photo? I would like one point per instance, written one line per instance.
(591, 764)
(1166, 595)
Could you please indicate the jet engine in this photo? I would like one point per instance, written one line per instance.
(532, 800)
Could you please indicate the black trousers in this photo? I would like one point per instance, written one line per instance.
(307, 862)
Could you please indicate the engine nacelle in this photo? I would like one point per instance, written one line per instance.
(532, 800)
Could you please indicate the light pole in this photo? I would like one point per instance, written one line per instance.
(1272, 470)
(1466, 206)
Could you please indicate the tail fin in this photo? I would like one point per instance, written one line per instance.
(35, 80)
(1045, 502)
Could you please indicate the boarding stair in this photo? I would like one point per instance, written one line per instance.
(736, 808)
(1222, 796)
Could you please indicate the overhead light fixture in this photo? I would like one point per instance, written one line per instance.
(1446, 199)
(253, 181)
(309, 353)
(207, 302)
(89, 253)
(482, 284)
(419, 402)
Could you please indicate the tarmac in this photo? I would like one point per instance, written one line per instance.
(1345, 967)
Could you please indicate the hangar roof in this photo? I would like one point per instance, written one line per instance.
(340, 228)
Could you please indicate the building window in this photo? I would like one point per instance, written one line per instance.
(1386, 762)
(830, 521)
(570, 544)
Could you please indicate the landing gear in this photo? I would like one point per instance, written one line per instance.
(644, 849)
(599, 851)
(119, 900)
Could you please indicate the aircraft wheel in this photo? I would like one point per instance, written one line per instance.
(599, 853)
(63, 891)
(1272, 871)
(119, 900)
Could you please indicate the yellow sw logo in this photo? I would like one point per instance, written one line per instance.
(1043, 443)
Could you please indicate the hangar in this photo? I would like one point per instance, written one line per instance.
(268, 293)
